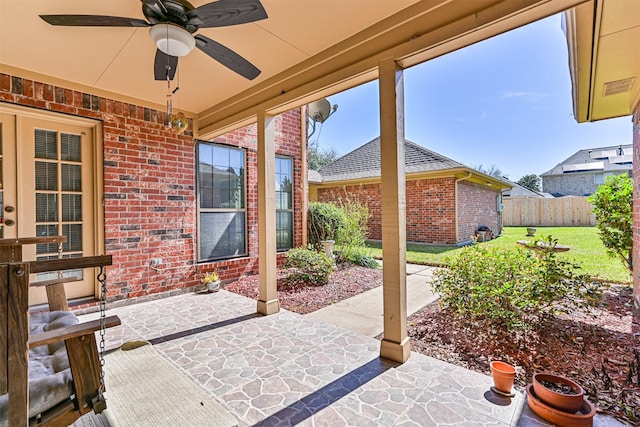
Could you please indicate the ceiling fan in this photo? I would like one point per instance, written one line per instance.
(172, 25)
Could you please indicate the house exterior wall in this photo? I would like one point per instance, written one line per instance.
(477, 205)
(431, 208)
(575, 184)
(150, 188)
(636, 211)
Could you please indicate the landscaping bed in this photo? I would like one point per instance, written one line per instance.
(601, 352)
(343, 283)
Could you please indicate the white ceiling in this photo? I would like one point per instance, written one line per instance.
(120, 60)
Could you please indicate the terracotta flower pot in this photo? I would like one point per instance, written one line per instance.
(570, 401)
(582, 418)
(503, 376)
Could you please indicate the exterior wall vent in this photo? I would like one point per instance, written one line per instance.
(618, 86)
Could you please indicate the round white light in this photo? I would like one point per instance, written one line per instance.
(172, 40)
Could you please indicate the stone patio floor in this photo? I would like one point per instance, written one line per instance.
(288, 369)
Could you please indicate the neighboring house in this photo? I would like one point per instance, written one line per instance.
(518, 191)
(583, 172)
(446, 200)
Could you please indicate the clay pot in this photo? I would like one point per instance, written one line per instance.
(570, 403)
(503, 376)
(583, 418)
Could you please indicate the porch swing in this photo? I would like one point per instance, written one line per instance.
(51, 372)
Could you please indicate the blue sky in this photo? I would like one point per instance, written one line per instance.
(505, 102)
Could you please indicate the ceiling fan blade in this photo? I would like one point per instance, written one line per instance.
(223, 13)
(164, 64)
(93, 21)
(227, 57)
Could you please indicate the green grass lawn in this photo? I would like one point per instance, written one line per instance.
(586, 249)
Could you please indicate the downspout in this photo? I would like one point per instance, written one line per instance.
(455, 196)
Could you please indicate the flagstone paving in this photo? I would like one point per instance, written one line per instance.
(288, 369)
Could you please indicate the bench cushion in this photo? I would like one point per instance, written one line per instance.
(50, 380)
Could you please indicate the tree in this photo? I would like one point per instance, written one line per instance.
(613, 207)
(320, 157)
(492, 170)
(531, 181)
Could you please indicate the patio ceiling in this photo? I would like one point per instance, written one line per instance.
(603, 38)
(306, 50)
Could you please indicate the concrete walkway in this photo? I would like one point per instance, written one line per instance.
(363, 313)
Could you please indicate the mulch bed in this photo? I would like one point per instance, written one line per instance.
(344, 283)
(601, 351)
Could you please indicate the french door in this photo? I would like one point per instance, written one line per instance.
(47, 167)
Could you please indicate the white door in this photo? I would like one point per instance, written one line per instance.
(48, 189)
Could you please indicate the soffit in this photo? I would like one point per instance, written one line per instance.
(604, 37)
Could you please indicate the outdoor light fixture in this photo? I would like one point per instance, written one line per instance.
(172, 40)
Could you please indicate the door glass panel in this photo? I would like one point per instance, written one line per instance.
(71, 177)
(46, 176)
(46, 144)
(74, 237)
(71, 207)
(46, 207)
(45, 231)
(70, 147)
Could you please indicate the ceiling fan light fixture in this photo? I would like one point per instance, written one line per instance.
(172, 40)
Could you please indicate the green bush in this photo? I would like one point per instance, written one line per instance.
(352, 235)
(325, 221)
(363, 259)
(613, 207)
(513, 287)
(308, 267)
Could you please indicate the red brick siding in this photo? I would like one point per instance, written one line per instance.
(430, 209)
(150, 187)
(636, 211)
(477, 205)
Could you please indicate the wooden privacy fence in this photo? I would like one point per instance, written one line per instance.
(557, 212)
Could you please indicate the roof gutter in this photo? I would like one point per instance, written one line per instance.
(455, 198)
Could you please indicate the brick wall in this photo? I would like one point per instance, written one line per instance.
(636, 211)
(574, 184)
(430, 209)
(477, 205)
(149, 187)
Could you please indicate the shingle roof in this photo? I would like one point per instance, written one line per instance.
(520, 191)
(364, 162)
(602, 159)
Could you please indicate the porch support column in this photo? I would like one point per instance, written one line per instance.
(268, 297)
(395, 344)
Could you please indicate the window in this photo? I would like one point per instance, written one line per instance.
(599, 178)
(221, 193)
(284, 203)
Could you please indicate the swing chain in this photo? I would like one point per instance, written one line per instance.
(99, 403)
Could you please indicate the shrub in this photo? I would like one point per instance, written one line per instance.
(513, 287)
(361, 258)
(308, 267)
(324, 222)
(354, 232)
(613, 207)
